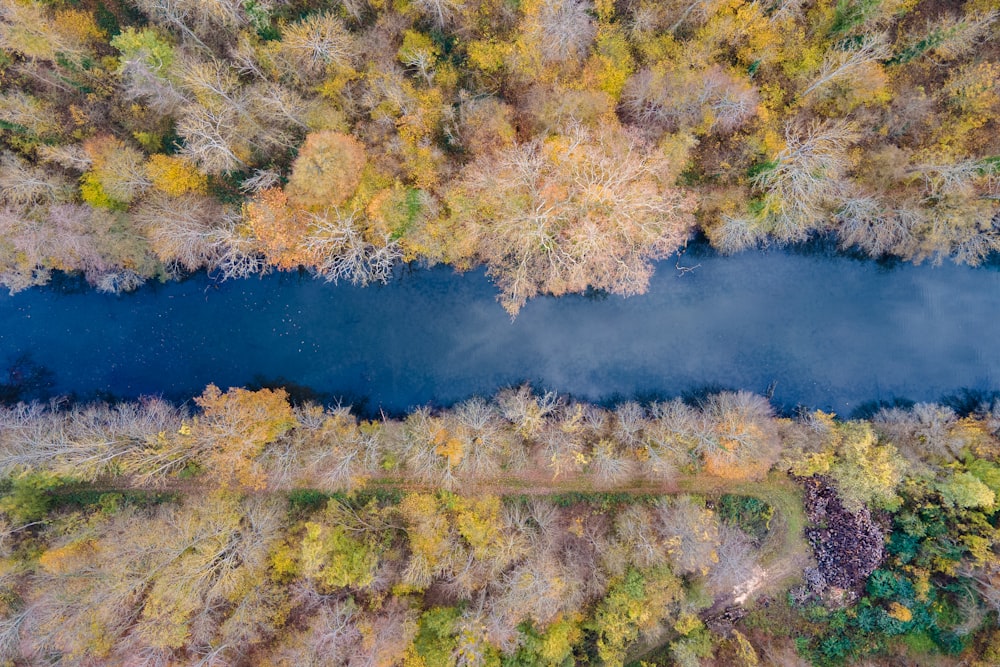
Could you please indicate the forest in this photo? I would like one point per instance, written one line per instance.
(562, 144)
(526, 530)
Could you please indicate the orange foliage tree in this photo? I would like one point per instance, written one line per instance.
(327, 170)
(278, 228)
(236, 426)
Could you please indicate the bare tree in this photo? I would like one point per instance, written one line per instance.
(441, 12)
(308, 47)
(342, 253)
(806, 179)
(526, 410)
(684, 97)
(563, 29)
(737, 572)
(872, 224)
(198, 21)
(23, 184)
(691, 533)
(839, 65)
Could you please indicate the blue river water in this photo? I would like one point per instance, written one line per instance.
(813, 328)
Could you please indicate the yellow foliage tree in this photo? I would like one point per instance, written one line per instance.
(174, 175)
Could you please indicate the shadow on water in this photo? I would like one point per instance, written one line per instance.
(964, 401)
(967, 401)
(869, 409)
(300, 394)
(696, 397)
(824, 246)
(992, 262)
(69, 283)
(25, 380)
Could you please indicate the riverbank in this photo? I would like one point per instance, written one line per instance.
(515, 529)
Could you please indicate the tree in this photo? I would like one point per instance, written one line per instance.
(186, 580)
(233, 429)
(965, 490)
(174, 175)
(691, 532)
(197, 20)
(872, 224)
(23, 184)
(737, 574)
(682, 97)
(589, 208)
(430, 541)
(228, 125)
(440, 12)
(116, 175)
(486, 125)
(310, 47)
(634, 528)
(184, 231)
(278, 229)
(339, 250)
(28, 28)
(800, 187)
(739, 439)
(635, 604)
(331, 636)
(337, 559)
(218, 559)
(327, 170)
(867, 471)
(561, 30)
(526, 411)
(146, 62)
(214, 136)
(839, 65)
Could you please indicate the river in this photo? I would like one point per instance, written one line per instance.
(816, 328)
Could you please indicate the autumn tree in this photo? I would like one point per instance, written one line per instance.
(586, 209)
(866, 469)
(277, 228)
(636, 604)
(318, 43)
(327, 170)
(341, 548)
(738, 438)
(183, 583)
(116, 174)
(30, 29)
(233, 429)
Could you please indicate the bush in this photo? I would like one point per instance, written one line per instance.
(749, 514)
(29, 498)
